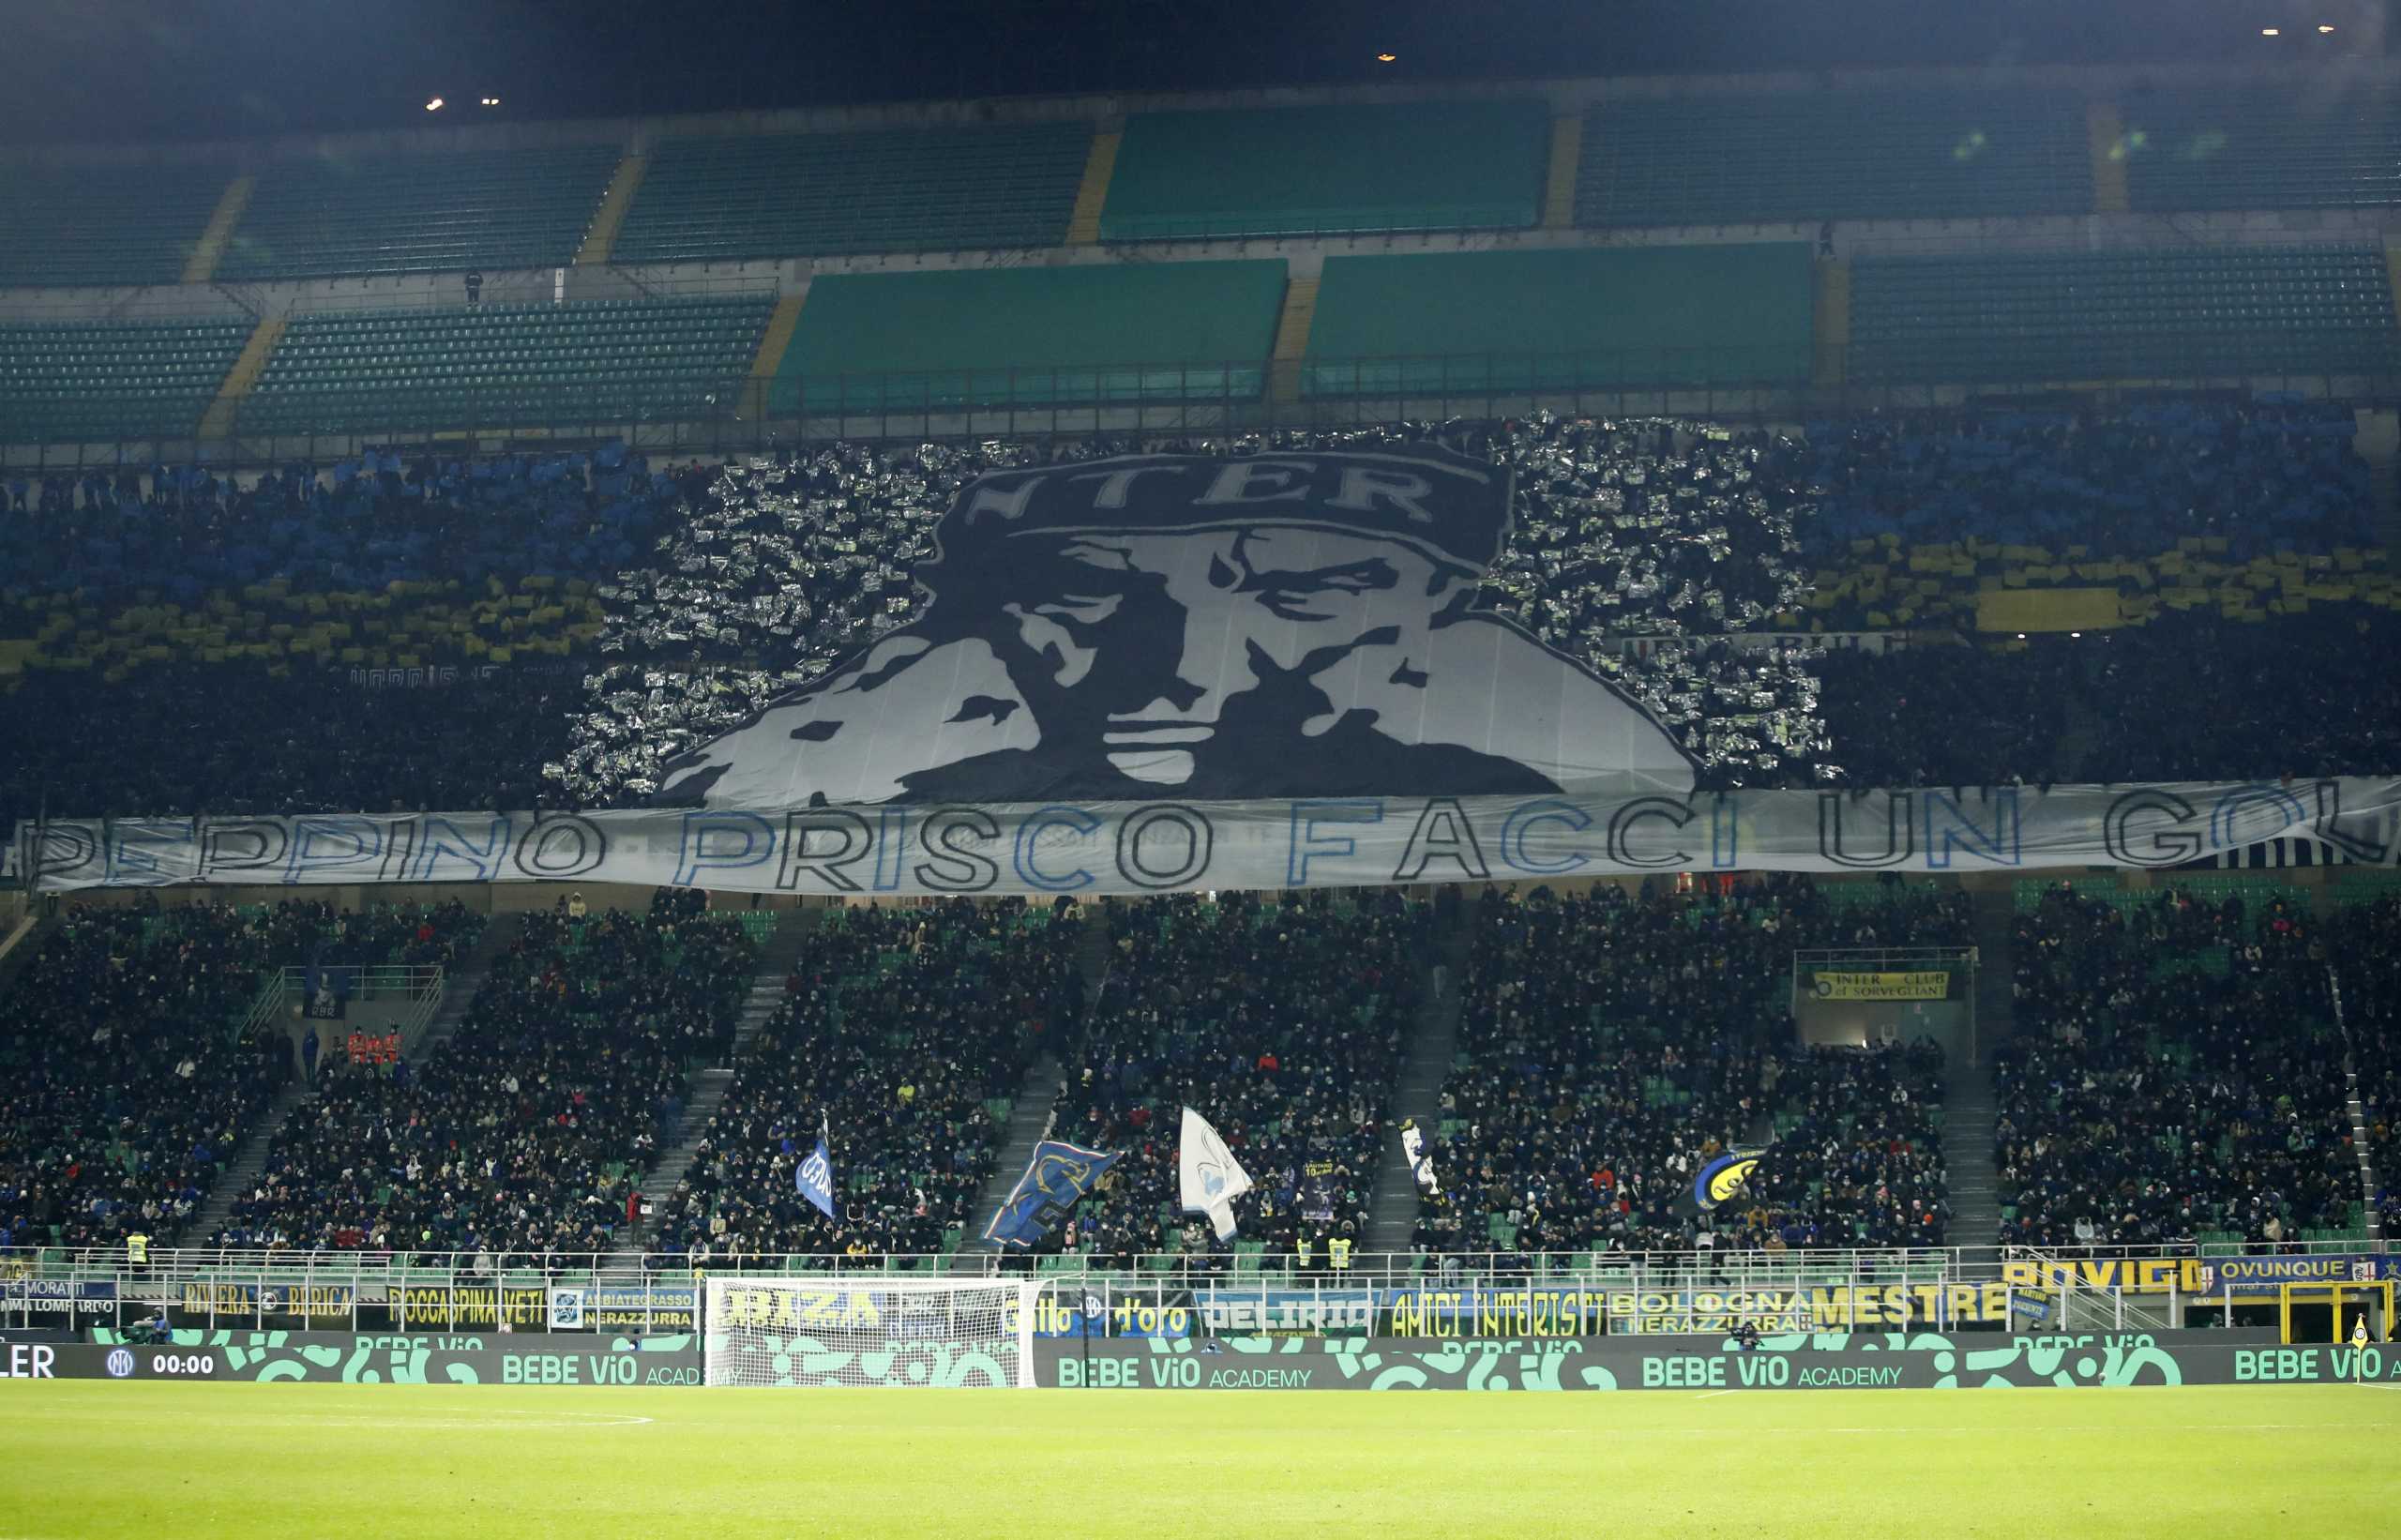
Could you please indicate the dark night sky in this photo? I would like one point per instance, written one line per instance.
(135, 69)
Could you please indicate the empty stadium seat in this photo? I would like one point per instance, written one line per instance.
(908, 341)
(1559, 319)
(716, 199)
(1328, 170)
(131, 380)
(2117, 314)
(134, 224)
(1831, 155)
(614, 361)
(2248, 147)
(418, 213)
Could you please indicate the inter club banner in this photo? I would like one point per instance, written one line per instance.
(1157, 846)
(1922, 985)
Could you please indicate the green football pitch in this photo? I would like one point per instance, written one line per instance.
(92, 1458)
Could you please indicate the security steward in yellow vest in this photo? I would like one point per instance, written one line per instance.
(1338, 1251)
(1305, 1252)
(137, 1250)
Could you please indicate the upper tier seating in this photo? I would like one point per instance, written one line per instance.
(102, 227)
(1757, 157)
(428, 212)
(2326, 145)
(112, 380)
(917, 189)
(608, 361)
(1559, 319)
(1026, 335)
(1299, 171)
(2102, 315)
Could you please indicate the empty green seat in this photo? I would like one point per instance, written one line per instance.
(724, 198)
(130, 224)
(2170, 312)
(421, 212)
(1834, 154)
(2262, 148)
(502, 366)
(110, 381)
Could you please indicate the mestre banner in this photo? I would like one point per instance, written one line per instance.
(1143, 847)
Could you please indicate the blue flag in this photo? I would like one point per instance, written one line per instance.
(814, 1176)
(1058, 1174)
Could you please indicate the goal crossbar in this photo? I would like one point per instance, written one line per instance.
(869, 1330)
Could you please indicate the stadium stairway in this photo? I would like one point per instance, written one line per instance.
(1426, 1060)
(705, 1090)
(2360, 1146)
(459, 985)
(1967, 1103)
(19, 939)
(1030, 1110)
(248, 1164)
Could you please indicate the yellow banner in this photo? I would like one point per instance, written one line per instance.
(2047, 610)
(1882, 985)
(2136, 1275)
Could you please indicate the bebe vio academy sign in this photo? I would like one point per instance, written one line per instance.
(1133, 847)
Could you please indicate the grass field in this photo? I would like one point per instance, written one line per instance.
(94, 1458)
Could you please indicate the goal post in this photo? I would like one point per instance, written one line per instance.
(870, 1329)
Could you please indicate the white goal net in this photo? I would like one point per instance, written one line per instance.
(869, 1330)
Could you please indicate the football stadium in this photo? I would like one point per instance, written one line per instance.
(1834, 844)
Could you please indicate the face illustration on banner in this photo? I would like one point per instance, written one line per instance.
(1187, 626)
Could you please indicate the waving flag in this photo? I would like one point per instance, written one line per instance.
(1722, 1179)
(814, 1176)
(1058, 1174)
(1212, 1178)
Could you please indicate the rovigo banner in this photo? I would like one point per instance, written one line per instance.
(1103, 846)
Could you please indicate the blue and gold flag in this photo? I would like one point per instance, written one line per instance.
(1058, 1174)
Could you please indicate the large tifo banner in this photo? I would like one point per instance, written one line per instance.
(1138, 847)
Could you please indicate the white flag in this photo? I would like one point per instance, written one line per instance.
(1212, 1178)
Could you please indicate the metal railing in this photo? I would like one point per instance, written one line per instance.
(1642, 1293)
(417, 985)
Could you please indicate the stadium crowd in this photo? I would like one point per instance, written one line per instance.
(364, 522)
(904, 1033)
(129, 1078)
(1641, 546)
(1612, 1045)
(2175, 1074)
(1279, 1018)
(527, 1130)
(2258, 475)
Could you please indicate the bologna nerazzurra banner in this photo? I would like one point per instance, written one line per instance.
(1092, 847)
